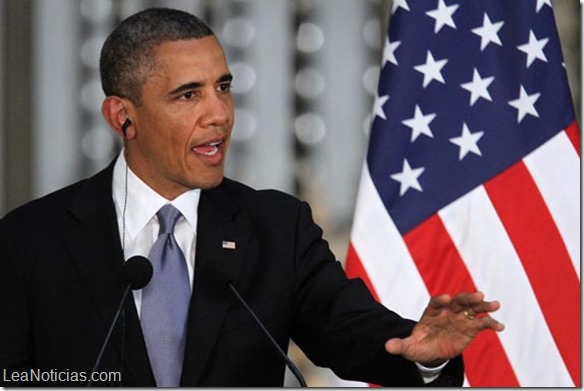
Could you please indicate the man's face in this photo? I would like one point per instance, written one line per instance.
(183, 125)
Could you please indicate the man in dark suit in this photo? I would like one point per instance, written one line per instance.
(167, 87)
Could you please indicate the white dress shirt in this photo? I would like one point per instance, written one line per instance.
(139, 224)
(141, 227)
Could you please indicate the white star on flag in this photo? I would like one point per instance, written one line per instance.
(431, 69)
(378, 105)
(389, 51)
(541, 3)
(488, 32)
(534, 48)
(420, 123)
(467, 142)
(443, 15)
(408, 178)
(399, 4)
(525, 104)
(478, 87)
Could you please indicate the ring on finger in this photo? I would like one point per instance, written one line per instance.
(468, 314)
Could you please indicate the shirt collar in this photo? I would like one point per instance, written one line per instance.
(143, 202)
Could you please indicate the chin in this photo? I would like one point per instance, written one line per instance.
(210, 183)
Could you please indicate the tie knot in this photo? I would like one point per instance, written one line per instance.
(167, 217)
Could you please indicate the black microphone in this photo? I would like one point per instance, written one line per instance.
(273, 342)
(137, 273)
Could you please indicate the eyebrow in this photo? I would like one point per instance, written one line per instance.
(195, 84)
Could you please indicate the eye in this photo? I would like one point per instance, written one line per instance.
(225, 87)
(188, 95)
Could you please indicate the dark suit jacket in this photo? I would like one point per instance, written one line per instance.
(60, 284)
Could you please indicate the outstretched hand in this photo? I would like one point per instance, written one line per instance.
(448, 325)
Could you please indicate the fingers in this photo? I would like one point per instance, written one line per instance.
(440, 301)
(472, 304)
(483, 307)
(487, 322)
(468, 307)
(475, 310)
(394, 346)
(464, 301)
(437, 304)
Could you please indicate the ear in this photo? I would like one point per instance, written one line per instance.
(115, 111)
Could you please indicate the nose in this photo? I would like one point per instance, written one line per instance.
(218, 110)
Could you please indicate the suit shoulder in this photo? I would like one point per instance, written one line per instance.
(267, 197)
(43, 205)
(55, 205)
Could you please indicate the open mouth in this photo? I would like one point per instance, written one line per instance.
(209, 149)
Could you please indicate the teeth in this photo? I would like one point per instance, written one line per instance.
(215, 149)
(212, 152)
(209, 149)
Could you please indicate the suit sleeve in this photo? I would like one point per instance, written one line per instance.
(338, 323)
(15, 335)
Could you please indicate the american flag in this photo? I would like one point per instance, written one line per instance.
(471, 182)
(229, 245)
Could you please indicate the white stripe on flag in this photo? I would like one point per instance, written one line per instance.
(555, 168)
(477, 232)
(384, 255)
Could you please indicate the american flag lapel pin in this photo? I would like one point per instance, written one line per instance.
(229, 245)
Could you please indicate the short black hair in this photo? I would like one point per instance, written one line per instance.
(126, 59)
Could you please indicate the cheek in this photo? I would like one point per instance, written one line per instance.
(170, 132)
(160, 143)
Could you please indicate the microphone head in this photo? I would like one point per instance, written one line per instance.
(137, 272)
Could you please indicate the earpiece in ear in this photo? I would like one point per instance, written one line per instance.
(125, 125)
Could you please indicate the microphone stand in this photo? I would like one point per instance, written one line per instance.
(289, 362)
(137, 272)
(109, 333)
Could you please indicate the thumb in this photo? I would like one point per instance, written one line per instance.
(395, 346)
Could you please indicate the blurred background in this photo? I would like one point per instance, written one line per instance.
(305, 78)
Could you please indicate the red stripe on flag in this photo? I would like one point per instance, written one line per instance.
(574, 135)
(354, 269)
(444, 271)
(544, 256)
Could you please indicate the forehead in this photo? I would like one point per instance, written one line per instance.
(201, 56)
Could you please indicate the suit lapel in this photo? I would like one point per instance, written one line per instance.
(96, 251)
(216, 264)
